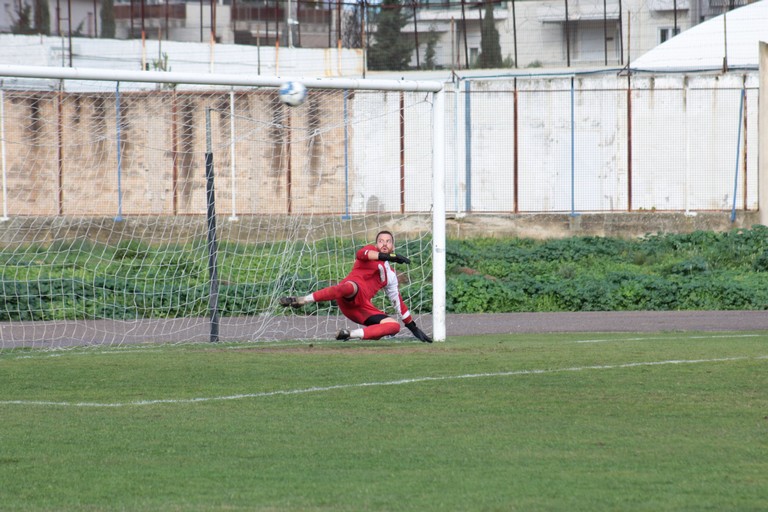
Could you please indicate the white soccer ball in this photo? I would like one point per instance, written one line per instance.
(293, 93)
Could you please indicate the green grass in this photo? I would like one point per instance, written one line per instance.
(512, 422)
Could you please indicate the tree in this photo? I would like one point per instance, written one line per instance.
(430, 54)
(390, 50)
(352, 27)
(42, 24)
(27, 21)
(22, 18)
(108, 19)
(490, 48)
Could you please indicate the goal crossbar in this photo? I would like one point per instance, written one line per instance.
(171, 77)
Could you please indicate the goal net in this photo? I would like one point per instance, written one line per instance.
(166, 207)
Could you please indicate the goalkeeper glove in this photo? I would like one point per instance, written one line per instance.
(394, 258)
(418, 332)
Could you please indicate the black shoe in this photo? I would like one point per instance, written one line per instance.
(343, 334)
(289, 301)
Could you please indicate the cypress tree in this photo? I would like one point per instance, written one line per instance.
(42, 23)
(107, 19)
(490, 47)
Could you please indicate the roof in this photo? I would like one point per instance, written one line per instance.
(704, 47)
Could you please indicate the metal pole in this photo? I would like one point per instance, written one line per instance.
(213, 299)
(605, 31)
(573, 151)
(567, 37)
(468, 145)
(738, 152)
(232, 153)
(69, 29)
(2, 148)
(455, 142)
(346, 157)
(464, 33)
(288, 22)
(674, 8)
(118, 122)
(514, 31)
(438, 216)
(416, 34)
(402, 152)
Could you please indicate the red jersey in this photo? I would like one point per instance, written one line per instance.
(370, 277)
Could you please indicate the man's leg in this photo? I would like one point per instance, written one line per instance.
(378, 331)
(387, 327)
(347, 289)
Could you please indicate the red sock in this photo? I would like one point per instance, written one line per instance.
(339, 291)
(378, 331)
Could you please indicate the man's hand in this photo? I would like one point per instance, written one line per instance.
(394, 258)
(418, 332)
(399, 259)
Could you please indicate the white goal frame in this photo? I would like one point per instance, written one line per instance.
(434, 88)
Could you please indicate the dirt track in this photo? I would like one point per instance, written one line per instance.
(614, 321)
(107, 332)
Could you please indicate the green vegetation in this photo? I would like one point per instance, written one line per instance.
(84, 280)
(696, 271)
(490, 47)
(390, 49)
(107, 14)
(661, 422)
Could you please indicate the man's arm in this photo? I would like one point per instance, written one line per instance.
(393, 292)
(373, 254)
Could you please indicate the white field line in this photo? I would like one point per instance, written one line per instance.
(656, 338)
(400, 382)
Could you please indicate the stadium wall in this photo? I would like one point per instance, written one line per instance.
(592, 144)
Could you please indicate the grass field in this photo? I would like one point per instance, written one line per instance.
(665, 421)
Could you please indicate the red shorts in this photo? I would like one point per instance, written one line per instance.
(359, 308)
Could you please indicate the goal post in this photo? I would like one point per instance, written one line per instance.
(762, 128)
(105, 191)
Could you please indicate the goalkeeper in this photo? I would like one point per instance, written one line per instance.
(370, 273)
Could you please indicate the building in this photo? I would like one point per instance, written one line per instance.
(533, 33)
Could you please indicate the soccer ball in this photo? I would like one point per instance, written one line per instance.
(293, 93)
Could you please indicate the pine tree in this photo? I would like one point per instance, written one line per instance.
(490, 47)
(107, 19)
(390, 50)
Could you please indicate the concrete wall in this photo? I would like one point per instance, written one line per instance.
(667, 142)
(534, 145)
(182, 57)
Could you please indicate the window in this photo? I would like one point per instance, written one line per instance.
(474, 54)
(666, 34)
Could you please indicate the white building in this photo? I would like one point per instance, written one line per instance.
(533, 33)
(557, 33)
(76, 17)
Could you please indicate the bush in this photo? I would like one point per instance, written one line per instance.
(700, 270)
